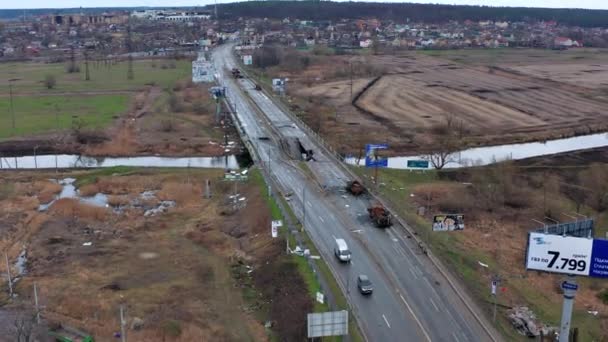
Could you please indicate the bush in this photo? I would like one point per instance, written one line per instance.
(50, 81)
(198, 107)
(167, 125)
(603, 296)
(175, 103)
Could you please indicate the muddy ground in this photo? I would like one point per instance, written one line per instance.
(185, 268)
(409, 95)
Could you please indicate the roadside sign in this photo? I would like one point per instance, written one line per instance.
(332, 323)
(320, 298)
(569, 286)
(494, 284)
(372, 159)
(418, 164)
(448, 222)
(274, 227)
(567, 254)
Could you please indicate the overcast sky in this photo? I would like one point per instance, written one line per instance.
(593, 4)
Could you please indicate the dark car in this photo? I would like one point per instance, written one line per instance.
(364, 284)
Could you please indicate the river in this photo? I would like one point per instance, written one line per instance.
(491, 154)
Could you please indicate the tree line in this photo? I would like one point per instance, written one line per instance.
(399, 12)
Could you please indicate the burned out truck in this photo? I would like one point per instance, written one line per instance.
(381, 217)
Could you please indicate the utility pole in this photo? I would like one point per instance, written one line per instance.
(8, 272)
(10, 91)
(86, 66)
(129, 51)
(123, 323)
(72, 59)
(36, 302)
(350, 62)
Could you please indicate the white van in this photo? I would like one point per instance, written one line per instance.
(341, 250)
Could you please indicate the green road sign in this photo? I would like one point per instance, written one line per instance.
(419, 164)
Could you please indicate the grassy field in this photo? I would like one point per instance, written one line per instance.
(47, 113)
(102, 77)
(456, 250)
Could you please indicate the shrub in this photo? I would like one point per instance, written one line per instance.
(50, 81)
(167, 125)
(603, 296)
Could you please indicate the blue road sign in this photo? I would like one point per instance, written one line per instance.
(569, 286)
(372, 159)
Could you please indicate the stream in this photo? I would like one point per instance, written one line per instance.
(491, 154)
(74, 161)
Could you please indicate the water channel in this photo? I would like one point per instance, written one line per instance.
(491, 154)
(73, 161)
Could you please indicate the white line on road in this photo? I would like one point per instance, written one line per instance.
(309, 204)
(455, 337)
(413, 273)
(386, 321)
(416, 318)
(434, 305)
(322, 220)
(333, 236)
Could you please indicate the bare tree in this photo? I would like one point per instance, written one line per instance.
(446, 143)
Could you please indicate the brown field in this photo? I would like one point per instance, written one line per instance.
(523, 99)
(183, 272)
(585, 75)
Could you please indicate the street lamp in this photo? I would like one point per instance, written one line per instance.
(10, 91)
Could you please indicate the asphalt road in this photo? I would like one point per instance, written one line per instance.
(412, 301)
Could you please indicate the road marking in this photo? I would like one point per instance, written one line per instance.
(322, 220)
(413, 273)
(333, 236)
(386, 321)
(309, 204)
(455, 337)
(416, 318)
(357, 231)
(434, 305)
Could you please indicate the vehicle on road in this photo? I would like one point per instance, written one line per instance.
(341, 250)
(380, 216)
(364, 284)
(355, 187)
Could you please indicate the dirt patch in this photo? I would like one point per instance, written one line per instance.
(495, 105)
(174, 270)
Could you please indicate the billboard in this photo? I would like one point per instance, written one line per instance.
(581, 228)
(448, 222)
(372, 159)
(274, 227)
(333, 323)
(247, 59)
(567, 254)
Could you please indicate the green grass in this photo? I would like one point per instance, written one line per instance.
(47, 113)
(92, 176)
(102, 78)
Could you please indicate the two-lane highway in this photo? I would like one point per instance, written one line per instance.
(412, 301)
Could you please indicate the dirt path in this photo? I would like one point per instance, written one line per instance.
(123, 140)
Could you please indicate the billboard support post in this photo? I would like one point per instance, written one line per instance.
(569, 293)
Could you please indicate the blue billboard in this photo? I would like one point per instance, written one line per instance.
(372, 159)
(599, 259)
